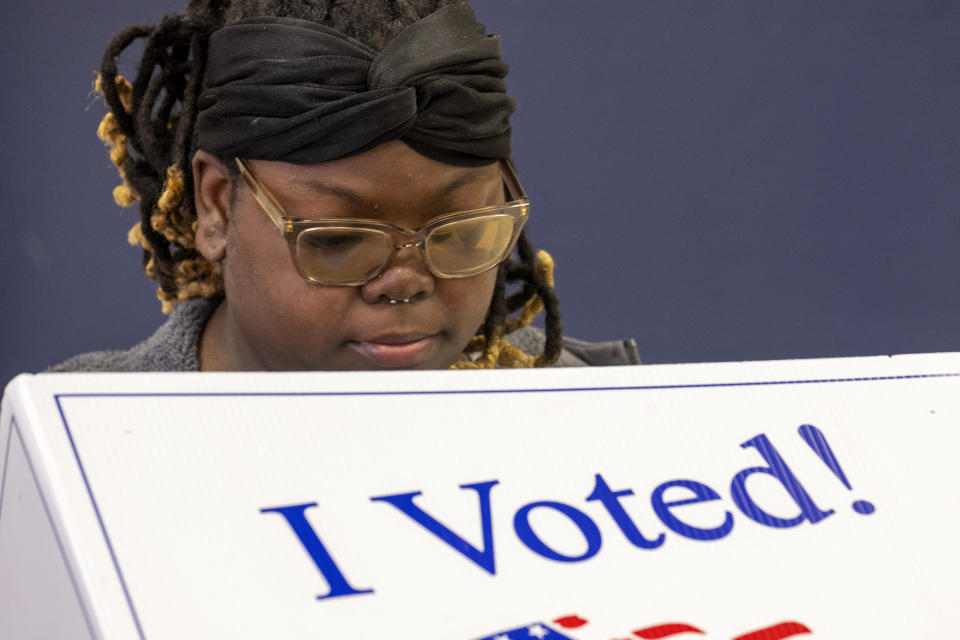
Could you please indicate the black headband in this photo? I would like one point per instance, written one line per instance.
(293, 90)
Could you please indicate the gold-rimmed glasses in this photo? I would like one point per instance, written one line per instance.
(353, 251)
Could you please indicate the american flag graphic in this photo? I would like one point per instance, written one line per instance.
(535, 631)
(543, 631)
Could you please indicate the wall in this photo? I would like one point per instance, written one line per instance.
(721, 180)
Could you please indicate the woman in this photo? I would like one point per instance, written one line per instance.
(327, 185)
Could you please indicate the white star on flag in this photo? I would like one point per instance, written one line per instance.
(532, 631)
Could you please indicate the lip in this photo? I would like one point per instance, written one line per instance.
(396, 350)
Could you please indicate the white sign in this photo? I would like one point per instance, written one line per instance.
(752, 501)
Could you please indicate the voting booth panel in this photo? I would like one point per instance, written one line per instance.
(747, 500)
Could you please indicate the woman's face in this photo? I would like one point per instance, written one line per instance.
(273, 319)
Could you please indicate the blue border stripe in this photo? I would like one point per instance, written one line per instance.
(103, 528)
(279, 394)
(290, 394)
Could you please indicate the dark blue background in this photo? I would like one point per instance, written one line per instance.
(721, 180)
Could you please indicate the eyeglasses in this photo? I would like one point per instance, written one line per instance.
(351, 251)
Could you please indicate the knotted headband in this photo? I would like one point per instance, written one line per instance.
(293, 90)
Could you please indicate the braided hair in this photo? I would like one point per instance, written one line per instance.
(150, 129)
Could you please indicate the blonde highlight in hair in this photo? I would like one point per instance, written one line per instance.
(494, 351)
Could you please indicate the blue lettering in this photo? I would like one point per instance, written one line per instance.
(701, 493)
(521, 523)
(609, 499)
(484, 557)
(294, 515)
(779, 470)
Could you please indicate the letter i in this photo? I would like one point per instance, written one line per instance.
(296, 518)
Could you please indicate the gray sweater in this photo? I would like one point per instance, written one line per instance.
(174, 347)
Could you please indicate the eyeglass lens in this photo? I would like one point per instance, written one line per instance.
(457, 249)
(468, 246)
(342, 254)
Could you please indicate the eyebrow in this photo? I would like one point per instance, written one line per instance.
(474, 175)
(321, 186)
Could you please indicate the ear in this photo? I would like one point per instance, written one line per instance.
(212, 191)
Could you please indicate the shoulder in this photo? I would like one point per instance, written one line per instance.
(173, 347)
(578, 353)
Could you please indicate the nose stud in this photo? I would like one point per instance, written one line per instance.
(400, 301)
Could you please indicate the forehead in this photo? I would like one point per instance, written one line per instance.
(389, 173)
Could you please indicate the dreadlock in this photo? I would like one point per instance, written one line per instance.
(150, 129)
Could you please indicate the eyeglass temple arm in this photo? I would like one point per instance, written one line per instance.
(512, 181)
(270, 206)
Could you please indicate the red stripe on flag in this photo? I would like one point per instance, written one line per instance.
(570, 622)
(665, 630)
(776, 632)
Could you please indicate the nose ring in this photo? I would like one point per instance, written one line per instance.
(399, 301)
